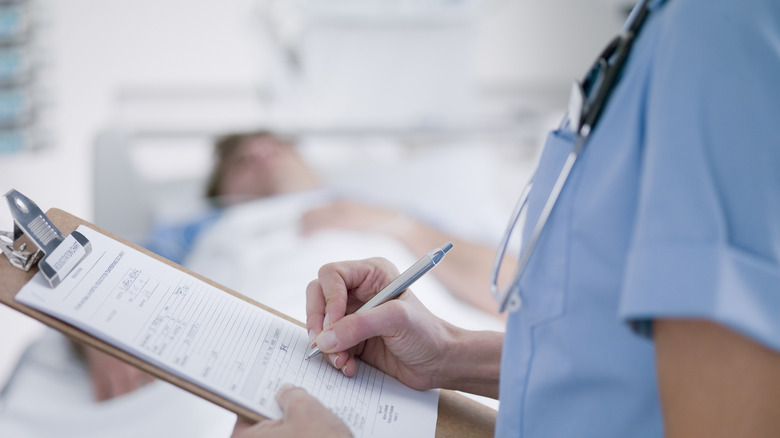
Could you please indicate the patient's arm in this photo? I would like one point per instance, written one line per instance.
(111, 377)
(467, 271)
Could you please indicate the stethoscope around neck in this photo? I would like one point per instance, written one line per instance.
(586, 103)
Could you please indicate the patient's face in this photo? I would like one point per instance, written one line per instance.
(254, 170)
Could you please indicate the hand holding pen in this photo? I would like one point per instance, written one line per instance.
(399, 336)
(400, 284)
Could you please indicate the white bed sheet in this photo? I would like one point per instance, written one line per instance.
(49, 395)
(257, 249)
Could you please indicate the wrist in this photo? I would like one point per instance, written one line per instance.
(473, 362)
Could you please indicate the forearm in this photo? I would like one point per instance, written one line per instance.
(467, 271)
(472, 363)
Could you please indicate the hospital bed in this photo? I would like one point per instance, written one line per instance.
(457, 180)
(143, 177)
(452, 180)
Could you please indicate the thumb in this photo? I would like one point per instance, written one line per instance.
(289, 395)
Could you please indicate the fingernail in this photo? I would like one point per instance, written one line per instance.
(333, 357)
(285, 386)
(326, 321)
(327, 340)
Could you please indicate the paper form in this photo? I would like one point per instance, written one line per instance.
(218, 341)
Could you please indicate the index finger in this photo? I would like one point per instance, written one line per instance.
(315, 308)
(348, 285)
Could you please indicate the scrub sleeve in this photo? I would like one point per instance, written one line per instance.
(707, 234)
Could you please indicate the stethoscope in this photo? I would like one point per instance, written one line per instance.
(586, 103)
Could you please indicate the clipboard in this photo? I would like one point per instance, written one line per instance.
(458, 415)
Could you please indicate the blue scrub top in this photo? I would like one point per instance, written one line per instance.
(673, 210)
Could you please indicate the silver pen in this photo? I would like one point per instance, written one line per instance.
(400, 284)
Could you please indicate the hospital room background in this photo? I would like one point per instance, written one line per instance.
(108, 109)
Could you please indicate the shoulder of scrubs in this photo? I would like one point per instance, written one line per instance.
(706, 242)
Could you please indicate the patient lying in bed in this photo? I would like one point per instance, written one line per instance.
(269, 199)
(275, 224)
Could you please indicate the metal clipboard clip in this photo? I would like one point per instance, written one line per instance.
(55, 254)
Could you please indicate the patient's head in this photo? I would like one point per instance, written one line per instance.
(254, 165)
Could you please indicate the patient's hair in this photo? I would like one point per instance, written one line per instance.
(227, 145)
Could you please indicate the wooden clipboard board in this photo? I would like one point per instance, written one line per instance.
(459, 416)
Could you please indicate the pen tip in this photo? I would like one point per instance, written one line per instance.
(447, 246)
(313, 352)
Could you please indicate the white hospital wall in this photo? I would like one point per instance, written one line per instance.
(95, 48)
